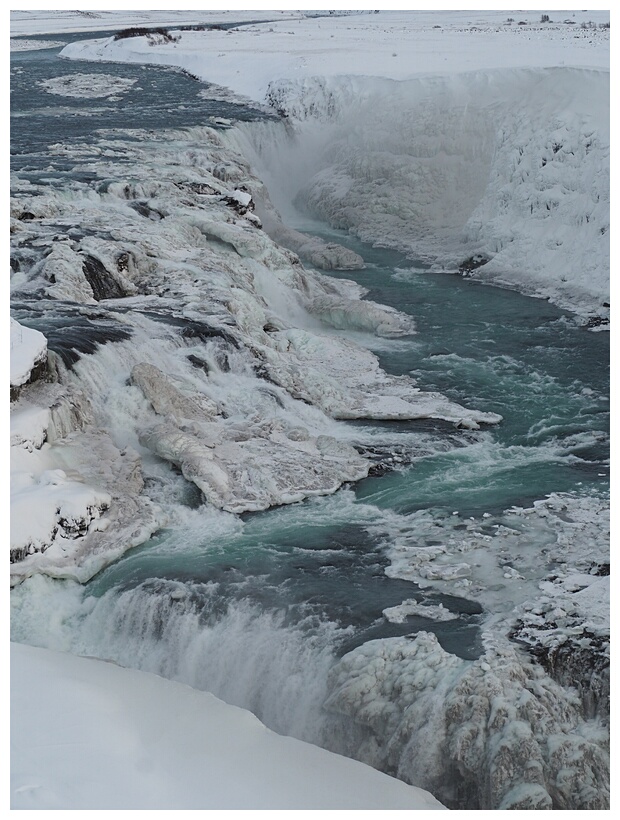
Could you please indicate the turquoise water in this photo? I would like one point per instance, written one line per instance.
(323, 561)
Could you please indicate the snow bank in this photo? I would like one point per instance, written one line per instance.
(248, 59)
(28, 354)
(89, 735)
(46, 21)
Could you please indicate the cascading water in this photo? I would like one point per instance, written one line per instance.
(373, 621)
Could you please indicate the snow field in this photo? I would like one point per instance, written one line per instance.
(130, 740)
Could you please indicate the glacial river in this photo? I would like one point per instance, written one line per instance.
(259, 608)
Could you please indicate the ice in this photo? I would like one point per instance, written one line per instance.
(88, 86)
(218, 353)
(423, 712)
(399, 614)
(24, 44)
(507, 556)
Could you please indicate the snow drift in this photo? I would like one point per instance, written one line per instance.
(123, 739)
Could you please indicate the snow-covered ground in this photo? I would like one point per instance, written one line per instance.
(86, 734)
(49, 21)
(479, 140)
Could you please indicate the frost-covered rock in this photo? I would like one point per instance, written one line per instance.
(496, 733)
(567, 630)
(259, 471)
(168, 400)
(350, 314)
(76, 499)
(65, 510)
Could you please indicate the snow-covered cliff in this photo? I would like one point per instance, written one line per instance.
(502, 174)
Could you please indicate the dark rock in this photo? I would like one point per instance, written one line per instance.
(204, 332)
(597, 321)
(199, 363)
(102, 282)
(144, 209)
(472, 263)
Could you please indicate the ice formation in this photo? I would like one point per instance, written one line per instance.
(504, 733)
(485, 148)
(88, 86)
(502, 175)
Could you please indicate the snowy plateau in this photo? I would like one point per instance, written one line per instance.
(187, 353)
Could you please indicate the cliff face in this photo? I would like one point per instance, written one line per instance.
(509, 166)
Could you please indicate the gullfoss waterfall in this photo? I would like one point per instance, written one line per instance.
(222, 393)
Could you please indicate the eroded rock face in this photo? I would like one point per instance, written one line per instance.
(562, 631)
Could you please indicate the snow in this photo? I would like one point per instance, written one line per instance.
(250, 58)
(488, 139)
(28, 349)
(48, 21)
(87, 734)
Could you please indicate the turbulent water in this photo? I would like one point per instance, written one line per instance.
(373, 621)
